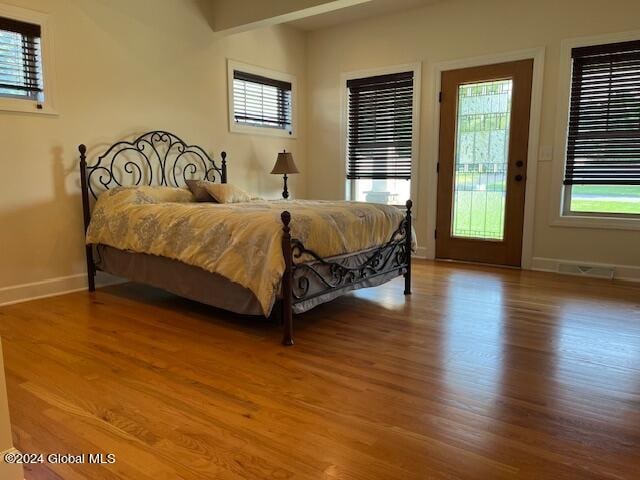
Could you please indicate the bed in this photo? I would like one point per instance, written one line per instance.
(133, 181)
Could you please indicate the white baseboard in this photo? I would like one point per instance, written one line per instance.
(10, 471)
(52, 287)
(73, 283)
(622, 272)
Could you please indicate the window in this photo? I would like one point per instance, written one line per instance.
(26, 61)
(260, 101)
(20, 60)
(602, 172)
(380, 138)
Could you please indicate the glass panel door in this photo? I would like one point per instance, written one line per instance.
(481, 160)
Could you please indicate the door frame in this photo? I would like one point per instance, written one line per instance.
(537, 55)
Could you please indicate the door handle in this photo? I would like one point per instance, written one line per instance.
(518, 178)
(519, 163)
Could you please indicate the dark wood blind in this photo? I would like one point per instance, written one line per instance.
(261, 101)
(19, 58)
(380, 126)
(604, 120)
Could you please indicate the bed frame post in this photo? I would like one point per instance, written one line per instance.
(287, 279)
(408, 244)
(86, 212)
(223, 178)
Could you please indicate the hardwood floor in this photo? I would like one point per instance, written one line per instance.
(482, 373)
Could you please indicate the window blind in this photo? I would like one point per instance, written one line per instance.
(261, 101)
(380, 127)
(20, 73)
(603, 145)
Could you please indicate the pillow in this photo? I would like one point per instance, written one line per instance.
(226, 193)
(158, 194)
(199, 191)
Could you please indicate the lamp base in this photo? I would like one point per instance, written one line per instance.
(285, 192)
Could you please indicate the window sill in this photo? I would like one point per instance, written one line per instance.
(597, 222)
(25, 106)
(249, 130)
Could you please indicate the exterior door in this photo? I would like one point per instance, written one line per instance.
(484, 136)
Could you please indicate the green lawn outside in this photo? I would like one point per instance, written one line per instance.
(613, 199)
(604, 206)
(479, 214)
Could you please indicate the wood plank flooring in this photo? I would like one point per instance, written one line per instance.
(483, 373)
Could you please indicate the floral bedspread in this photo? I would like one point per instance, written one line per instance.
(240, 241)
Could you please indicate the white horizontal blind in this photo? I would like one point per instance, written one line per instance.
(261, 102)
(20, 59)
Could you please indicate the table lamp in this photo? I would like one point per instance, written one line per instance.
(284, 165)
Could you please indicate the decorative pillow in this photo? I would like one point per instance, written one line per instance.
(226, 193)
(199, 190)
(157, 194)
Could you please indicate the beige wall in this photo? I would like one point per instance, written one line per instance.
(451, 30)
(123, 67)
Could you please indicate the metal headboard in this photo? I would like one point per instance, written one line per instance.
(154, 158)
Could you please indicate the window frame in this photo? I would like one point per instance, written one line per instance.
(27, 105)
(416, 68)
(561, 215)
(236, 127)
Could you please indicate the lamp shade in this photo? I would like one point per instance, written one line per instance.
(284, 164)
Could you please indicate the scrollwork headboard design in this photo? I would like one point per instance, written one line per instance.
(154, 158)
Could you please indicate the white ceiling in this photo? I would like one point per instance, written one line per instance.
(364, 10)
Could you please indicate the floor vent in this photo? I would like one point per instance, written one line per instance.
(598, 271)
